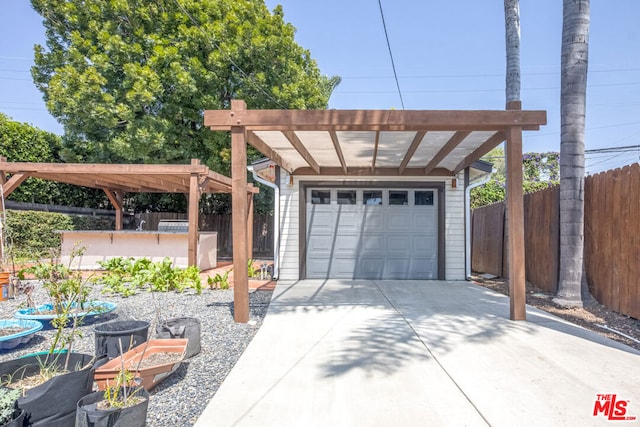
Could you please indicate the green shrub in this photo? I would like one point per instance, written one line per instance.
(93, 223)
(31, 234)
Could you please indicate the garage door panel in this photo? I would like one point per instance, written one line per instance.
(322, 222)
(369, 267)
(399, 244)
(372, 241)
(396, 268)
(424, 268)
(320, 244)
(398, 220)
(373, 219)
(346, 244)
(369, 243)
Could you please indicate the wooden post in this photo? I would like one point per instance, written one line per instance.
(239, 209)
(250, 225)
(194, 198)
(115, 197)
(515, 224)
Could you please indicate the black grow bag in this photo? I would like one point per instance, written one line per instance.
(182, 327)
(53, 403)
(131, 333)
(18, 419)
(134, 416)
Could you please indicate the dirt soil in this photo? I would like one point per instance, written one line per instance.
(593, 316)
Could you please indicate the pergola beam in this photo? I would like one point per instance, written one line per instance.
(453, 142)
(262, 147)
(302, 150)
(373, 120)
(116, 200)
(417, 140)
(491, 142)
(13, 183)
(376, 144)
(336, 146)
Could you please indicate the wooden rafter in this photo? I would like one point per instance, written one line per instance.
(453, 142)
(412, 149)
(13, 183)
(375, 152)
(336, 146)
(491, 142)
(302, 150)
(262, 147)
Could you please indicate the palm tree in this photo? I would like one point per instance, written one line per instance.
(575, 58)
(512, 36)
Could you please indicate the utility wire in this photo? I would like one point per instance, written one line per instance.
(393, 64)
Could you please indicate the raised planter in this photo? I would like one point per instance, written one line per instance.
(150, 375)
(44, 311)
(182, 327)
(88, 415)
(29, 328)
(121, 334)
(52, 403)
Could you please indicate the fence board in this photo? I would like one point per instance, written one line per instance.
(542, 238)
(487, 246)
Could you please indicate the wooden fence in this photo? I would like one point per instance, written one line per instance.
(262, 230)
(612, 238)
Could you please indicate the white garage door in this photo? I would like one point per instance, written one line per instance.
(372, 233)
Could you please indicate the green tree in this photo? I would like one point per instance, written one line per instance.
(21, 142)
(130, 80)
(540, 170)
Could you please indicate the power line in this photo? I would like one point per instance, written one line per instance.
(465, 76)
(393, 64)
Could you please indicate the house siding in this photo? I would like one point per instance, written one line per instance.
(290, 227)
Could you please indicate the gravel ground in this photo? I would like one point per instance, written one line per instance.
(181, 398)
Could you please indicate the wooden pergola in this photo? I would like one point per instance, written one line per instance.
(376, 143)
(116, 179)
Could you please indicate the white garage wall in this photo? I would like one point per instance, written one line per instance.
(289, 222)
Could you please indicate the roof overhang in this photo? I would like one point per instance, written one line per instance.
(374, 142)
(130, 178)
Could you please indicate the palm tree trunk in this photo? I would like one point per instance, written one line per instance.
(512, 39)
(575, 50)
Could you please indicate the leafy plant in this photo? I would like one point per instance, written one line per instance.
(127, 276)
(252, 271)
(8, 399)
(68, 294)
(219, 281)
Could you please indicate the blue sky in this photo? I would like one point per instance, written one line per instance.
(448, 55)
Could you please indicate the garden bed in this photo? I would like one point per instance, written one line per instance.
(183, 396)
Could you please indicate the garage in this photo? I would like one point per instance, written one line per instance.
(373, 232)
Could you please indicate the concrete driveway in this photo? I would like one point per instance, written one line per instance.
(415, 353)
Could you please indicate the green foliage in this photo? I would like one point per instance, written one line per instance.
(120, 393)
(127, 276)
(540, 170)
(131, 79)
(68, 293)
(252, 271)
(8, 399)
(31, 234)
(82, 222)
(219, 281)
(21, 142)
